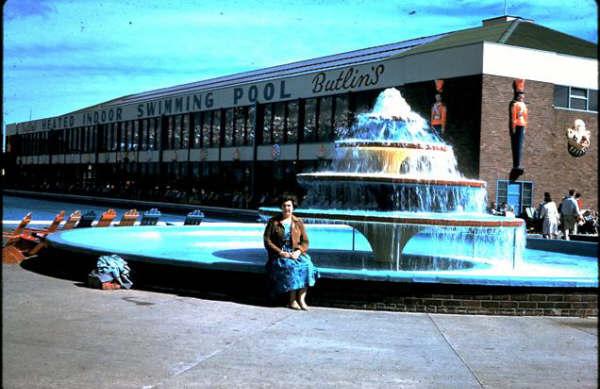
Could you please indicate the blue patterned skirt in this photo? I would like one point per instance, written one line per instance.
(287, 274)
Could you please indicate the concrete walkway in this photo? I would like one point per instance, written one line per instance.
(60, 334)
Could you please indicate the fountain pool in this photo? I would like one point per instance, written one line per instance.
(339, 251)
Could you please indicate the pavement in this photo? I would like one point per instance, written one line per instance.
(57, 333)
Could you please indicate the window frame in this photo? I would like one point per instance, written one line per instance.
(571, 96)
(522, 185)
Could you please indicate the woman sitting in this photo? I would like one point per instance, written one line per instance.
(289, 267)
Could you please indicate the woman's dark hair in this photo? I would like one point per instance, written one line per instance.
(547, 197)
(286, 198)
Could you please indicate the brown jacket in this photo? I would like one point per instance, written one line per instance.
(274, 239)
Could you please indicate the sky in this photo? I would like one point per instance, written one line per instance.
(63, 55)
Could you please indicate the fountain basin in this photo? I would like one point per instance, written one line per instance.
(421, 218)
(363, 143)
(390, 157)
(383, 178)
(500, 238)
(239, 247)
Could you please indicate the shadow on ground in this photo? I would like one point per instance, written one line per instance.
(245, 288)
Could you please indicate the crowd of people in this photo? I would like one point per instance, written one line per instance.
(570, 215)
(555, 221)
(242, 199)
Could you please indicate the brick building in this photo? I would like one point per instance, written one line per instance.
(252, 132)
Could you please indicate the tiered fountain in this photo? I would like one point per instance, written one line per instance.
(393, 178)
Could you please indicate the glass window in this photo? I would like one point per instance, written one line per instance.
(123, 136)
(310, 121)
(169, 139)
(106, 137)
(325, 119)
(144, 134)
(63, 141)
(518, 194)
(151, 134)
(67, 140)
(291, 128)
(87, 140)
(94, 137)
(578, 98)
(278, 122)
(575, 98)
(158, 133)
(342, 115)
(206, 133)
(114, 142)
(185, 131)
(561, 96)
(130, 138)
(593, 101)
(197, 130)
(177, 132)
(78, 138)
(577, 103)
(239, 137)
(250, 130)
(216, 128)
(229, 127)
(578, 92)
(267, 125)
(83, 140)
(527, 192)
(135, 130)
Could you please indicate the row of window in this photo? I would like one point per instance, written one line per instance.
(575, 98)
(310, 120)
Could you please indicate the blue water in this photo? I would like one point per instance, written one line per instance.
(337, 250)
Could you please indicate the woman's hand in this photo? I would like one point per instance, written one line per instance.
(285, 254)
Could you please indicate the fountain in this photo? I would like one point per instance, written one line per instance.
(392, 207)
(393, 178)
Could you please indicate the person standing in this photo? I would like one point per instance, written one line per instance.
(570, 214)
(289, 266)
(518, 124)
(550, 217)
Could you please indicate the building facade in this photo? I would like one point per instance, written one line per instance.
(240, 140)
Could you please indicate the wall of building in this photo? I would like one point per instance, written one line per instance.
(547, 162)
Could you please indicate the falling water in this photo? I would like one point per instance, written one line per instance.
(414, 165)
(393, 178)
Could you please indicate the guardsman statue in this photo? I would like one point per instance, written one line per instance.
(438, 109)
(518, 123)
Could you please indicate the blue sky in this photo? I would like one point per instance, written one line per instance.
(62, 55)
